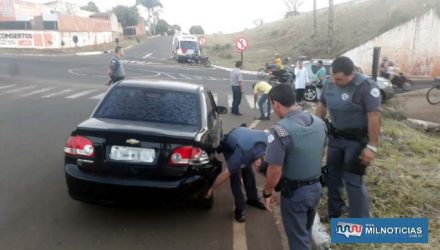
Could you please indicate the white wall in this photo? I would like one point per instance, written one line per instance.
(85, 38)
(50, 39)
(413, 46)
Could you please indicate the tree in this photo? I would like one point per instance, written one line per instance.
(330, 25)
(127, 16)
(151, 5)
(91, 6)
(162, 27)
(196, 29)
(176, 27)
(292, 7)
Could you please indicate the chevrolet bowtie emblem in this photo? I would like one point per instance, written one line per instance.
(132, 141)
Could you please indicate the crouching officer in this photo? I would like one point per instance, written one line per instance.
(294, 154)
(353, 102)
(243, 149)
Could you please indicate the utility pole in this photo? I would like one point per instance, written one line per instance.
(314, 17)
(330, 25)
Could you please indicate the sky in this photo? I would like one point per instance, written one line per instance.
(215, 16)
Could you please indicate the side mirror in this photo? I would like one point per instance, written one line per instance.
(222, 110)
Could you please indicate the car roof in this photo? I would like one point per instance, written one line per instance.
(160, 84)
(324, 61)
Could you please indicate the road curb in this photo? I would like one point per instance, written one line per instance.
(230, 69)
(91, 53)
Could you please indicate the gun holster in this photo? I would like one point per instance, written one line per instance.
(284, 187)
(324, 175)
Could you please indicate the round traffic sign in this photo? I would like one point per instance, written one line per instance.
(202, 41)
(241, 44)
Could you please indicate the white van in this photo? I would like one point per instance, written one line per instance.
(183, 46)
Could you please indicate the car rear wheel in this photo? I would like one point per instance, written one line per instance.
(310, 94)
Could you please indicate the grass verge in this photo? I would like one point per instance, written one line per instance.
(404, 181)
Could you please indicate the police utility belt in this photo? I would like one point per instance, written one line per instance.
(349, 134)
(287, 187)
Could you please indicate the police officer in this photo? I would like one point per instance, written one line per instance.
(116, 69)
(243, 149)
(294, 154)
(353, 102)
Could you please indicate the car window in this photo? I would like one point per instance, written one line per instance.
(150, 105)
(315, 69)
(188, 45)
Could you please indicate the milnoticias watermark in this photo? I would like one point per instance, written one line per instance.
(379, 230)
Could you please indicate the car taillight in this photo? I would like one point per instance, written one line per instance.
(188, 155)
(79, 146)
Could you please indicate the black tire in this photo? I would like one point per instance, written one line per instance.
(207, 63)
(407, 85)
(262, 73)
(310, 94)
(433, 95)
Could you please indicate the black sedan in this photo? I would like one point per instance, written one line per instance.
(145, 139)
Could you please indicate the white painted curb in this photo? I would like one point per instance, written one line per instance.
(229, 69)
(88, 53)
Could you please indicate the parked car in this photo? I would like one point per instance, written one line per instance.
(386, 87)
(146, 138)
(311, 93)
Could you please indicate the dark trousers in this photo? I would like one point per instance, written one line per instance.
(299, 95)
(117, 79)
(248, 177)
(298, 214)
(341, 156)
(236, 99)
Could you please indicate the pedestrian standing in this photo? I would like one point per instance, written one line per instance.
(320, 77)
(243, 149)
(237, 88)
(353, 102)
(294, 153)
(263, 89)
(302, 78)
(116, 69)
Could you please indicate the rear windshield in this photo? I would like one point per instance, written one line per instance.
(151, 105)
(188, 45)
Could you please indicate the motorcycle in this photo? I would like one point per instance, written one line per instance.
(400, 80)
(286, 76)
(194, 58)
(267, 70)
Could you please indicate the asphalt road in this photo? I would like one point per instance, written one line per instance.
(42, 99)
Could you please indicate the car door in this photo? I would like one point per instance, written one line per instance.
(214, 121)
